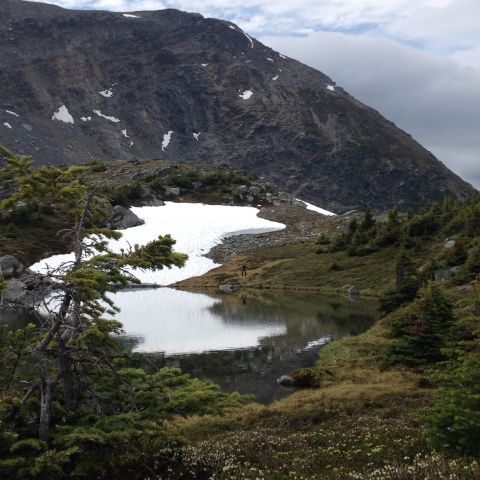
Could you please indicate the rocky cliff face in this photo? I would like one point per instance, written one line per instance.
(78, 86)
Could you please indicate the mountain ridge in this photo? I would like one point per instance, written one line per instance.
(97, 85)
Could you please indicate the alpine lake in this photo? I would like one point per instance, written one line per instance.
(243, 341)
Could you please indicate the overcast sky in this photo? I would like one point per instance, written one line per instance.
(416, 61)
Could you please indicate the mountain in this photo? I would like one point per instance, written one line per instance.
(84, 85)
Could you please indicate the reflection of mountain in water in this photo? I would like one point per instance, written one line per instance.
(307, 317)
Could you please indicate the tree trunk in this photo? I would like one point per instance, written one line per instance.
(46, 392)
(45, 411)
(66, 373)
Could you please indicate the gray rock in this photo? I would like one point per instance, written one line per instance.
(122, 218)
(447, 274)
(284, 197)
(228, 288)
(242, 189)
(286, 381)
(449, 243)
(15, 291)
(197, 185)
(10, 266)
(255, 191)
(157, 203)
(175, 191)
(353, 291)
(299, 203)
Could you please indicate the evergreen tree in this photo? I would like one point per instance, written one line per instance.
(407, 284)
(368, 221)
(423, 329)
(453, 422)
(74, 329)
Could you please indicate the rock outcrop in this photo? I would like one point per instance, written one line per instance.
(10, 266)
(122, 218)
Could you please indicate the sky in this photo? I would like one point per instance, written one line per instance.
(415, 61)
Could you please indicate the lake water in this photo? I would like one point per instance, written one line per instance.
(244, 341)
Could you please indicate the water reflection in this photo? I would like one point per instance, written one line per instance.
(243, 342)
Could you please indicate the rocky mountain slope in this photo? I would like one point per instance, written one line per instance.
(84, 85)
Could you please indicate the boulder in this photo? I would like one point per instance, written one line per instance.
(122, 218)
(299, 203)
(446, 274)
(15, 291)
(286, 381)
(255, 191)
(174, 191)
(10, 266)
(284, 197)
(449, 243)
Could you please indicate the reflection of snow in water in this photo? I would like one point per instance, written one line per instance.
(175, 322)
(318, 343)
(196, 228)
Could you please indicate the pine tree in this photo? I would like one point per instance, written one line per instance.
(423, 329)
(75, 330)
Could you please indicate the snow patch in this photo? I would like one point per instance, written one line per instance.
(275, 78)
(281, 56)
(129, 15)
(100, 114)
(270, 59)
(166, 140)
(106, 93)
(6, 124)
(196, 135)
(249, 38)
(85, 119)
(314, 208)
(124, 133)
(232, 27)
(204, 65)
(63, 115)
(331, 88)
(196, 228)
(12, 113)
(246, 94)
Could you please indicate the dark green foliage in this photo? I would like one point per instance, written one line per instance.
(323, 240)
(390, 233)
(72, 405)
(368, 221)
(458, 254)
(423, 329)
(335, 267)
(125, 194)
(472, 264)
(407, 284)
(453, 423)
